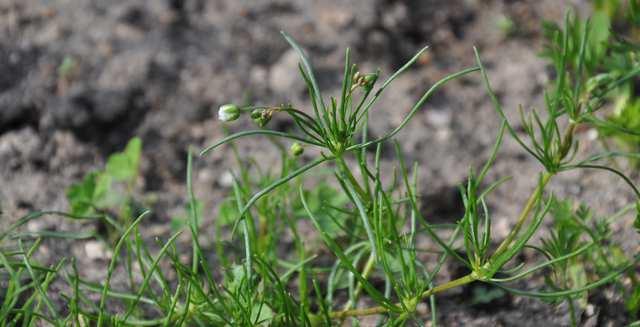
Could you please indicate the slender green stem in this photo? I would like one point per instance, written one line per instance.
(531, 202)
(380, 310)
(344, 168)
(365, 273)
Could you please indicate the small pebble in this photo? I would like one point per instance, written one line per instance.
(95, 250)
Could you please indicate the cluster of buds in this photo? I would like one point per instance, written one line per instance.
(262, 116)
(365, 81)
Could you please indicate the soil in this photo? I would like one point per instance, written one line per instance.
(159, 70)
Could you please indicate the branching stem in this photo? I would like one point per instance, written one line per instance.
(380, 309)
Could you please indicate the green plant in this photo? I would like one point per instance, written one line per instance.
(109, 192)
(569, 103)
(506, 25)
(576, 233)
(351, 236)
(611, 53)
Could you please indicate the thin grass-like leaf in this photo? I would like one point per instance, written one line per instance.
(112, 266)
(389, 80)
(307, 67)
(498, 107)
(609, 169)
(147, 279)
(335, 248)
(256, 132)
(276, 184)
(604, 280)
(427, 95)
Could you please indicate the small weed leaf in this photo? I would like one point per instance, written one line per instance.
(486, 295)
(93, 192)
(125, 165)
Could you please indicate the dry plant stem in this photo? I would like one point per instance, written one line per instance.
(379, 309)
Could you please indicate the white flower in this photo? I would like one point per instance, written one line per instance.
(228, 112)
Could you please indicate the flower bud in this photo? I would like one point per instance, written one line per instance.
(356, 77)
(261, 117)
(369, 80)
(296, 149)
(228, 112)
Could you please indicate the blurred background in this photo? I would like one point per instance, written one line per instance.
(79, 78)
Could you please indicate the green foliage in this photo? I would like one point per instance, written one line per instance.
(566, 238)
(324, 203)
(564, 45)
(506, 25)
(66, 68)
(591, 251)
(632, 302)
(92, 193)
(96, 193)
(297, 245)
(181, 221)
(610, 65)
(124, 166)
(486, 295)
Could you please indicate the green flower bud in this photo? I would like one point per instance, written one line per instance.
(356, 77)
(296, 149)
(369, 80)
(261, 117)
(228, 112)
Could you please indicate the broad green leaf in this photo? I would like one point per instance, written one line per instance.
(80, 195)
(485, 295)
(134, 150)
(124, 166)
(119, 167)
(261, 314)
(94, 191)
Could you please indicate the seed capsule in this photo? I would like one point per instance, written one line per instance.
(296, 149)
(261, 117)
(369, 80)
